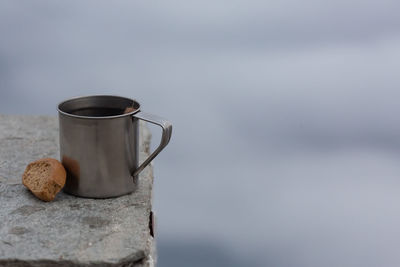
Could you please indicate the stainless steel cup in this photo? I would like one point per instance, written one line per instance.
(99, 144)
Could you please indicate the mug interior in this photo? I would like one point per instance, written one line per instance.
(101, 106)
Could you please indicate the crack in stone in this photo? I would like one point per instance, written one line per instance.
(18, 230)
(101, 238)
(13, 138)
(27, 210)
(7, 243)
(95, 221)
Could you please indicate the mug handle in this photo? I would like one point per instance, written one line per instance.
(166, 136)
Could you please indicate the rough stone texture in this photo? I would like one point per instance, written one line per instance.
(69, 231)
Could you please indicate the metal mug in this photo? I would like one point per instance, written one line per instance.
(99, 144)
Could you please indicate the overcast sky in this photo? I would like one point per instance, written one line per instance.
(286, 129)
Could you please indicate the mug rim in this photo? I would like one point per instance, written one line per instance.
(60, 111)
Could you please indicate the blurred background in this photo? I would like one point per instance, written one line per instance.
(286, 142)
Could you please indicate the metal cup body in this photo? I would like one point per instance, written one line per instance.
(99, 153)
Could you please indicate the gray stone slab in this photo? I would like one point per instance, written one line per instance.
(69, 231)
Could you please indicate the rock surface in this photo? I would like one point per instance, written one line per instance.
(69, 231)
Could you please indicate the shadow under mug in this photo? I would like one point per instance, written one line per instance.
(99, 144)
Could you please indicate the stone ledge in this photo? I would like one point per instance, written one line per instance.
(69, 231)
